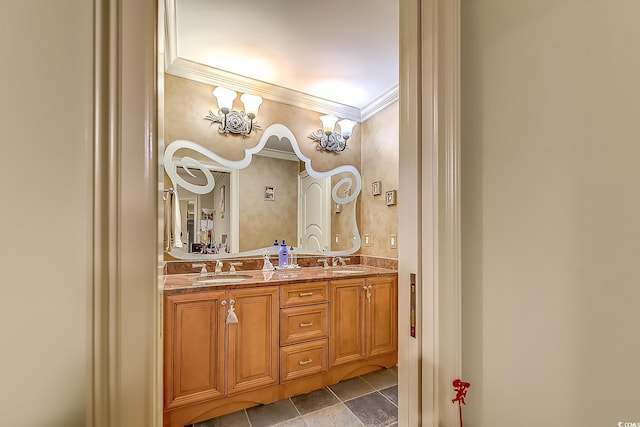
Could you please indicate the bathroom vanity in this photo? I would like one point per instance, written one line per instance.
(263, 337)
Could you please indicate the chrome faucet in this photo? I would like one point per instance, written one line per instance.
(203, 271)
(232, 269)
(325, 265)
(218, 266)
(339, 259)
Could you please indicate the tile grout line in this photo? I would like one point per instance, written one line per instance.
(332, 392)
(340, 402)
(295, 407)
(357, 417)
(343, 404)
(246, 414)
(390, 401)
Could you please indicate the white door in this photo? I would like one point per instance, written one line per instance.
(314, 213)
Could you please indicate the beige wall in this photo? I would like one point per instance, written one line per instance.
(263, 221)
(46, 216)
(380, 139)
(551, 212)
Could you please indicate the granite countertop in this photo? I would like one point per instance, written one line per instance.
(182, 283)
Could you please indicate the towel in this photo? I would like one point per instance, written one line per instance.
(177, 222)
(168, 214)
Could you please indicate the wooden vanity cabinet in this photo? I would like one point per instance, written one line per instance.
(290, 339)
(196, 336)
(304, 328)
(364, 321)
(194, 343)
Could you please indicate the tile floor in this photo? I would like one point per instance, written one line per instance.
(370, 400)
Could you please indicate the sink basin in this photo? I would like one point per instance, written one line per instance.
(226, 278)
(347, 271)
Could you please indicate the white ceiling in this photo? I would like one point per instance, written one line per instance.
(336, 56)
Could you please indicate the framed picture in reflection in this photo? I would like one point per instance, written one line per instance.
(270, 193)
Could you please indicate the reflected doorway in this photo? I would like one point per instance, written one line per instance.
(314, 212)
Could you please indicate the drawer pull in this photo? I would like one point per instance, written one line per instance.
(304, 325)
(305, 294)
(304, 362)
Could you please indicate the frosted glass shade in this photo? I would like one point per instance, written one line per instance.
(251, 104)
(225, 98)
(346, 127)
(328, 122)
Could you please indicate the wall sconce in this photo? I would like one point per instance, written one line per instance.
(330, 140)
(238, 122)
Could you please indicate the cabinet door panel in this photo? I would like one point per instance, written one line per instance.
(253, 341)
(347, 322)
(381, 316)
(194, 348)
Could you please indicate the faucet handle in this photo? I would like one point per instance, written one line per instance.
(203, 271)
(232, 269)
(339, 260)
(219, 265)
(324, 262)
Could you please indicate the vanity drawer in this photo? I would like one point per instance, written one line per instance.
(300, 360)
(304, 293)
(304, 323)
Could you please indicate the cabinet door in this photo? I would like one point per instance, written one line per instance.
(381, 313)
(193, 348)
(253, 341)
(347, 322)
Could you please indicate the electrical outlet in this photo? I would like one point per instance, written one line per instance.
(367, 239)
(393, 241)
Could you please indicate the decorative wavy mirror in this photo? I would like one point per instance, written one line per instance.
(219, 208)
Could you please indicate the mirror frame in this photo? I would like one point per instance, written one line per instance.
(172, 162)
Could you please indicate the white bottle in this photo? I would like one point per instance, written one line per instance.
(283, 256)
(293, 257)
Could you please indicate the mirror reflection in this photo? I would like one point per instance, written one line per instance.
(217, 208)
(196, 214)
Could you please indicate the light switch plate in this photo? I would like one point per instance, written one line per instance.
(337, 238)
(367, 239)
(393, 241)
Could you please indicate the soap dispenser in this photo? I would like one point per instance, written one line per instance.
(283, 256)
(266, 266)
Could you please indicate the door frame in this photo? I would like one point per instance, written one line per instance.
(124, 386)
(429, 211)
(125, 358)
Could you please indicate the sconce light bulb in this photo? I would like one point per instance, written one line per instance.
(328, 123)
(346, 127)
(251, 104)
(225, 98)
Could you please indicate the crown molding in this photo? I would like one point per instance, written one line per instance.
(278, 154)
(181, 67)
(184, 68)
(380, 103)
